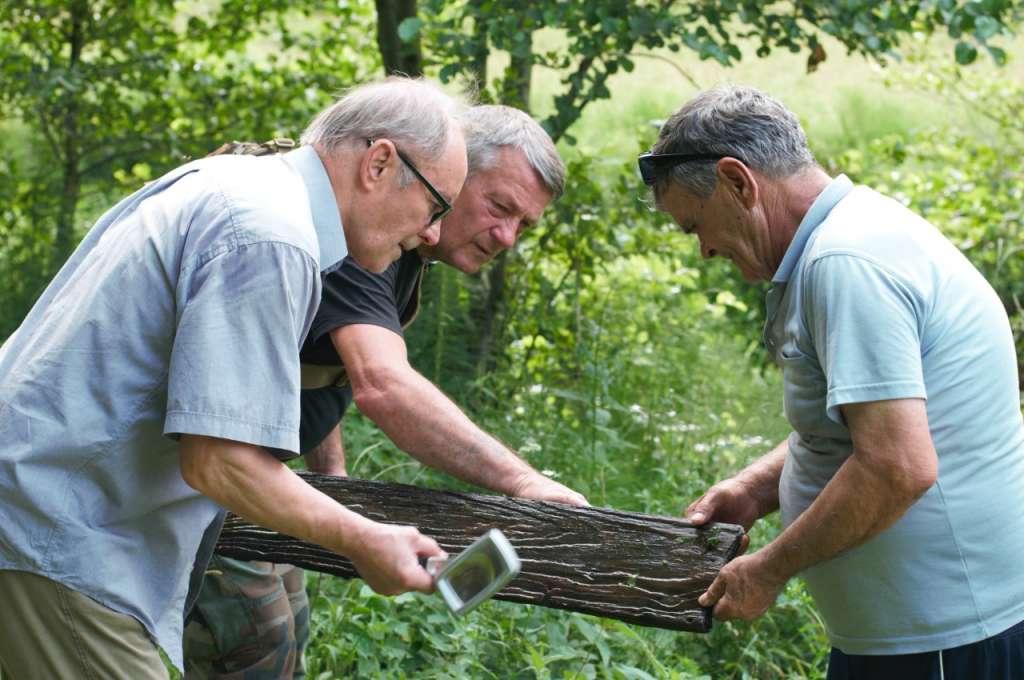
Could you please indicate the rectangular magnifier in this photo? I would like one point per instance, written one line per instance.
(479, 571)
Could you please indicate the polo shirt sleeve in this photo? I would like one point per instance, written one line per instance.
(234, 369)
(865, 322)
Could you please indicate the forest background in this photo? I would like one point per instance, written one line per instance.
(602, 348)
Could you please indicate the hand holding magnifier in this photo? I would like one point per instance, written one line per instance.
(478, 572)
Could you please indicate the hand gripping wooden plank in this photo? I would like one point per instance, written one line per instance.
(629, 566)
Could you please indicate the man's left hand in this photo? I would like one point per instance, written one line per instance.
(744, 590)
(535, 486)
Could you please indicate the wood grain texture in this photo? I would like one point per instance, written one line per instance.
(638, 568)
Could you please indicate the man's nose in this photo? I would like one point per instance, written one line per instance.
(506, 233)
(431, 234)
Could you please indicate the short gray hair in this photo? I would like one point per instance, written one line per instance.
(413, 113)
(736, 121)
(488, 128)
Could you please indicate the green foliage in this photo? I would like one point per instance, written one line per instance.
(108, 95)
(24, 246)
(604, 37)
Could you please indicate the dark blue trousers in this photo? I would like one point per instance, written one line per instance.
(1000, 657)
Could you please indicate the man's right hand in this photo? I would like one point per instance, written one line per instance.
(727, 501)
(744, 498)
(535, 486)
(388, 556)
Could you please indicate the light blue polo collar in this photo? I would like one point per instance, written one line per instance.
(326, 218)
(819, 210)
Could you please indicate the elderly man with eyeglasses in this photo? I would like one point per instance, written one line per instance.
(252, 618)
(902, 483)
(157, 381)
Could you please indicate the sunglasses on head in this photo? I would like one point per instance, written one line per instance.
(652, 165)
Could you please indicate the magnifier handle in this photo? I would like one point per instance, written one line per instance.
(433, 565)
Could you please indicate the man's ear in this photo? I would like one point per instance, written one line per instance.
(739, 180)
(377, 163)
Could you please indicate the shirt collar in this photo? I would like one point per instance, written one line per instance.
(819, 210)
(322, 203)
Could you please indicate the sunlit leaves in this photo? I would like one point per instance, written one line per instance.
(603, 35)
(102, 89)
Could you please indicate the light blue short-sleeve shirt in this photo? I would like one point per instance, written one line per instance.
(182, 311)
(872, 303)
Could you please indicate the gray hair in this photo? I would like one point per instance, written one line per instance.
(488, 128)
(736, 121)
(414, 114)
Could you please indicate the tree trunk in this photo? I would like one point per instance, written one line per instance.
(64, 238)
(398, 57)
(636, 568)
(491, 309)
(518, 78)
(481, 50)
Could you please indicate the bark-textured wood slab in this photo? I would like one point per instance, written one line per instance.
(638, 568)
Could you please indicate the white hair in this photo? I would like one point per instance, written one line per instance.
(413, 113)
(489, 128)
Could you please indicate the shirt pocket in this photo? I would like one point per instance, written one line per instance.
(805, 388)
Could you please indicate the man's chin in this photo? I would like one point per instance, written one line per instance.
(456, 259)
(411, 243)
(467, 264)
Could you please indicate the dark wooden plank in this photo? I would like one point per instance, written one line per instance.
(638, 568)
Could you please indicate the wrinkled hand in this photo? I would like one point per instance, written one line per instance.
(387, 557)
(728, 501)
(743, 589)
(535, 486)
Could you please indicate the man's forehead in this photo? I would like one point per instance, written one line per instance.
(675, 197)
(514, 180)
(449, 170)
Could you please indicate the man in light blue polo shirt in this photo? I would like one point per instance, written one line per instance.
(157, 380)
(902, 483)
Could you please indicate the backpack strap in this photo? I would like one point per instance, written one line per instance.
(267, 148)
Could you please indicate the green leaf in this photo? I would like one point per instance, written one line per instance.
(985, 27)
(409, 28)
(633, 673)
(965, 53)
(641, 24)
(448, 71)
(998, 54)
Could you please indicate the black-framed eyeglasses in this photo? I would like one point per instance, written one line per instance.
(446, 207)
(653, 164)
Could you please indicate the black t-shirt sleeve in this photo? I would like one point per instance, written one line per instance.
(351, 295)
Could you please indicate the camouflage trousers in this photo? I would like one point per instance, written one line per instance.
(251, 622)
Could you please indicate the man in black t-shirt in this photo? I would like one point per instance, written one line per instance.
(356, 350)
